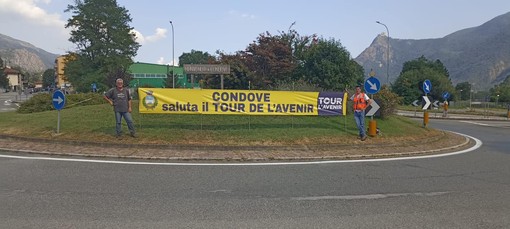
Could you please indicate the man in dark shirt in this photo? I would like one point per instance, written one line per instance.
(120, 99)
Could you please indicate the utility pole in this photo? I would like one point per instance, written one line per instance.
(173, 55)
(387, 53)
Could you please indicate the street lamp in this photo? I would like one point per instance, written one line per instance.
(497, 98)
(387, 52)
(470, 98)
(173, 56)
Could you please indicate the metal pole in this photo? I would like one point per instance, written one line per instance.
(58, 122)
(470, 98)
(173, 55)
(387, 53)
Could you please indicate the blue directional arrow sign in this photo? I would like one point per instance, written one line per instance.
(372, 85)
(446, 95)
(58, 100)
(427, 86)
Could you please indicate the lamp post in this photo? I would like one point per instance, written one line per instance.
(497, 98)
(387, 53)
(470, 95)
(173, 56)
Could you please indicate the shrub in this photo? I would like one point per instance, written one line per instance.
(389, 101)
(37, 103)
(42, 102)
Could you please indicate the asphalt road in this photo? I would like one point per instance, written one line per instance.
(470, 190)
(8, 100)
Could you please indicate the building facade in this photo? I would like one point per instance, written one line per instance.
(142, 75)
(60, 77)
(15, 79)
(158, 76)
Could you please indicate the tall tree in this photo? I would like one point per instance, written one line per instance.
(4, 83)
(196, 57)
(105, 42)
(48, 77)
(270, 59)
(409, 83)
(327, 64)
(239, 77)
(503, 90)
(464, 90)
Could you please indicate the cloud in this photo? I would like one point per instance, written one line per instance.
(138, 36)
(238, 14)
(29, 9)
(162, 60)
(158, 35)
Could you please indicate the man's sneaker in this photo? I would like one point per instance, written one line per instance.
(118, 135)
(364, 138)
(133, 135)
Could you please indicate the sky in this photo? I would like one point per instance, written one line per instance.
(230, 26)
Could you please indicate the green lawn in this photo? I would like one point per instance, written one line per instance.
(96, 123)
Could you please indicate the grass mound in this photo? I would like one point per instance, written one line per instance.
(96, 123)
(43, 102)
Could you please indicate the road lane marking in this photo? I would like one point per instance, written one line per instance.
(498, 124)
(476, 123)
(477, 145)
(371, 196)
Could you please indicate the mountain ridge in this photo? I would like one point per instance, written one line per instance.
(479, 55)
(30, 58)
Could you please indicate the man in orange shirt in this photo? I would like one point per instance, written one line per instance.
(445, 108)
(361, 102)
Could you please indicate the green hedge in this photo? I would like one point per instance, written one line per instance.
(42, 102)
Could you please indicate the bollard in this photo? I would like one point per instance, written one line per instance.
(372, 128)
(425, 118)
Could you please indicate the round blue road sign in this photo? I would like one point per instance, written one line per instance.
(427, 86)
(446, 95)
(372, 85)
(58, 100)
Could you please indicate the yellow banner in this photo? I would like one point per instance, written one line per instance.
(240, 102)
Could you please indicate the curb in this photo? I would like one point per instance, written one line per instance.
(227, 159)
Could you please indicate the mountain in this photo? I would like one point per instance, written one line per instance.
(479, 55)
(25, 55)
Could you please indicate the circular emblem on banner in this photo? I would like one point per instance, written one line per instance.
(150, 102)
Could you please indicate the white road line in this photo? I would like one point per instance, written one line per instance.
(476, 123)
(371, 196)
(476, 146)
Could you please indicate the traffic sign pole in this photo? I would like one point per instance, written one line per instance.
(427, 87)
(425, 111)
(372, 117)
(58, 122)
(372, 86)
(425, 118)
(59, 101)
(372, 124)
